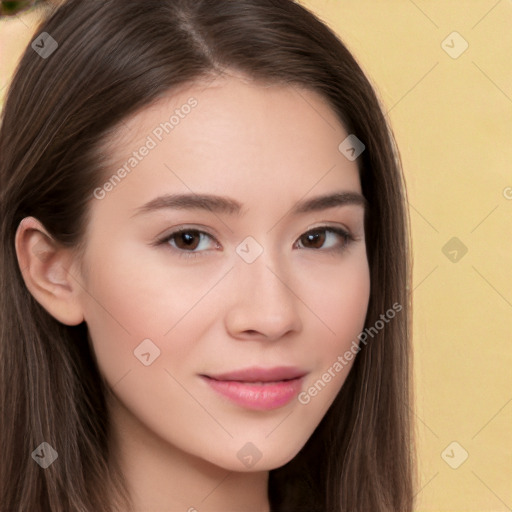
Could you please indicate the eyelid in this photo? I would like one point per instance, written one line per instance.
(164, 240)
(327, 225)
(206, 230)
(342, 231)
(165, 235)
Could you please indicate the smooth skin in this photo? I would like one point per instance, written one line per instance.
(301, 303)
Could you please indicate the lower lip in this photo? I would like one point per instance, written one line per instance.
(261, 397)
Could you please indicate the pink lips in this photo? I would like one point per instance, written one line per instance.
(258, 388)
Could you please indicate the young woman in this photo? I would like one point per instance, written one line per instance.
(205, 267)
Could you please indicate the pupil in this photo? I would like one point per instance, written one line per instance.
(188, 238)
(314, 238)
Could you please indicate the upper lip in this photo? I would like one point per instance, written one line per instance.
(258, 374)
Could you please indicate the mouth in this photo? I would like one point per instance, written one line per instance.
(261, 389)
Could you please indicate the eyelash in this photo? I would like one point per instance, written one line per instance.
(346, 237)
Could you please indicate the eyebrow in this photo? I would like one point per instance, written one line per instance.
(226, 205)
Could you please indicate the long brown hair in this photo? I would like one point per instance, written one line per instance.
(113, 58)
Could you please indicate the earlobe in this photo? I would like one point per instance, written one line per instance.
(46, 267)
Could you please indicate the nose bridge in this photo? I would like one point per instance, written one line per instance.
(266, 277)
(263, 300)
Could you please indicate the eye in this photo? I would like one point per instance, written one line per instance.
(189, 242)
(326, 238)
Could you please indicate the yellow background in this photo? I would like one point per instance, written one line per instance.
(452, 118)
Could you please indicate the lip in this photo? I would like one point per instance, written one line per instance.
(257, 388)
(258, 374)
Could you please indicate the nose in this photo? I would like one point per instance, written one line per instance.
(262, 303)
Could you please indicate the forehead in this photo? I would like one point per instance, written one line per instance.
(234, 132)
(231, 105)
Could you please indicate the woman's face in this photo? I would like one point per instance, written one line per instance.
(198, 334)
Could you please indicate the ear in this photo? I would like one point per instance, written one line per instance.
(48, 272)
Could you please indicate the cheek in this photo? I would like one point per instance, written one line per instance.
(129, 300)
(340, 301)
(338, 295)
